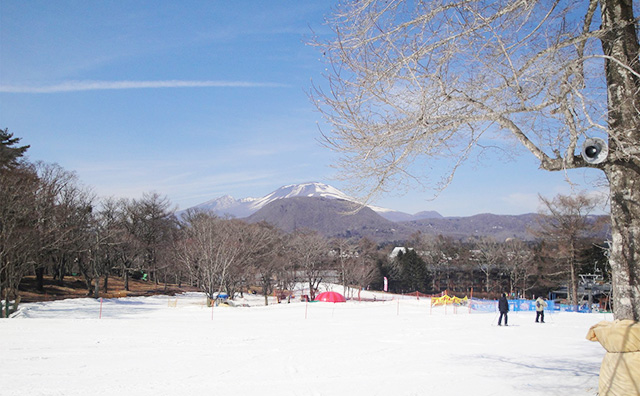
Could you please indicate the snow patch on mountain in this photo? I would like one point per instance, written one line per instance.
(301, 190)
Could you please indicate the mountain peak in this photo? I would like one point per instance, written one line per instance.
(310, 189)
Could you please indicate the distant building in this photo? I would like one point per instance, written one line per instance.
(396, 250)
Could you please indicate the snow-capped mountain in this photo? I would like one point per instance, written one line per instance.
(244, 207)
(241, 208)
(302, 190)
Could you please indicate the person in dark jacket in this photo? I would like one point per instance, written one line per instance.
(503, 307)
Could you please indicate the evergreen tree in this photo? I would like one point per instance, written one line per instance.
(387, 270)
(9, 155)
(413, 271)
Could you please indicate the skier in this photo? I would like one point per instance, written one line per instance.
(503, 307)
(540, 306)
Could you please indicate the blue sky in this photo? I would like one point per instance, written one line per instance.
(198, 99)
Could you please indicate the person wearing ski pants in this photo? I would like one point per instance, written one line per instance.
(503, 307)
(540, 306)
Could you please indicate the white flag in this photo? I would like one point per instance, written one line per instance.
(386, 283)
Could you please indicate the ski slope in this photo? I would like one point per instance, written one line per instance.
(177, 346)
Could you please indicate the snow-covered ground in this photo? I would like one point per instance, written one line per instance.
(177, 346)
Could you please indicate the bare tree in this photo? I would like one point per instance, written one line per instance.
(72, 219)
(265, 272)
(265, 258)
(257, 244)
(364, 267)
(310, 250)
(415, 82)
(344, 254)
(18, 237)
(440, 254)
(285, 265)
(152, 223)
(565, 222)
(205, 250)
(488, 256)
(518, 264)
(101, 239)
(56, 201)
(221, 252)
(128, 249)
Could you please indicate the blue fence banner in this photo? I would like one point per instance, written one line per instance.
(519, 305)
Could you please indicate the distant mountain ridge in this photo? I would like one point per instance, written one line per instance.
(336, 218)
(245, 207)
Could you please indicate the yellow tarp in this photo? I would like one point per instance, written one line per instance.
(620, 369)
(446, 300)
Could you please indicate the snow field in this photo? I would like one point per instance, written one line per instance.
(145, 346)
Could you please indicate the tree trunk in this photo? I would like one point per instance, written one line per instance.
(620, 45)
(88, 282)
(105, 287)
(312, 292)
(40, 278)
(96, 289)
(59, 269)
(625, 233)
(574, 286)
(487, 280)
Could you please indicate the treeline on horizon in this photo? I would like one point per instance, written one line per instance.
(50, 224)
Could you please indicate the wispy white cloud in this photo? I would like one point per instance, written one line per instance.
(521, 202)
(76, 86)
(190, 188)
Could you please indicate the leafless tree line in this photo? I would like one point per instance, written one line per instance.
(50, 224)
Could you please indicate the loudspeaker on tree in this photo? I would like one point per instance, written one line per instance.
(595, 150)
